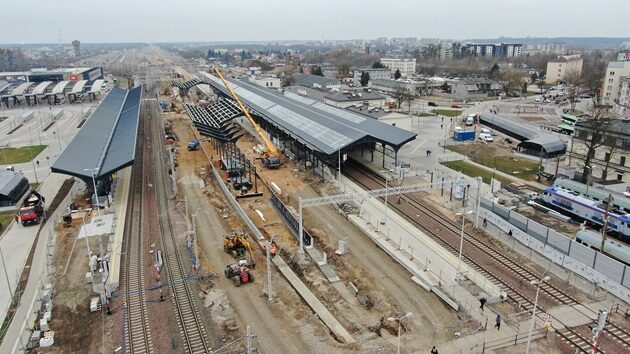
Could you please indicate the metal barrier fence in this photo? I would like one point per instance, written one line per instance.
(600, 269)
(518, 338)
(291, 219)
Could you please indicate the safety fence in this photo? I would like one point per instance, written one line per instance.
(602, 270)
(290, 219)
(516, 339)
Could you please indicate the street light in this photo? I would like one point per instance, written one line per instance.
(394, 319)
(461, 240)
(531, 325)
(92, 171)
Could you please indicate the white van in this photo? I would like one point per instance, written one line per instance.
(485, 137)
(470, 120)
(485, 131)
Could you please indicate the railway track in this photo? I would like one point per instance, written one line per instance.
(574, 340)
(191, 327)
(137, 330)
(437, 220)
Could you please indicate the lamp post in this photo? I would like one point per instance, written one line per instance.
(394, 319)
(461, 239)
(92, 171)
(531, 325)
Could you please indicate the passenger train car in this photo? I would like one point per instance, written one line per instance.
(621, 201)
(612, 248)
(590, 210)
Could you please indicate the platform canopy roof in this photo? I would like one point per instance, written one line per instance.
(107, 141)
(40, 89)
(96, 86)
(78, 86)
(321, 127)
(60, 87)
(21, 89)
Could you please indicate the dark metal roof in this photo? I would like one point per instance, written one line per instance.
(11, 183)
(311, 80)
(527, 135)
(321, 127)
(107, 141)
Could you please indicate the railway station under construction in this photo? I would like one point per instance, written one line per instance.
(304, 129)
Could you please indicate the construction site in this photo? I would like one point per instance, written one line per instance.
(246, 219)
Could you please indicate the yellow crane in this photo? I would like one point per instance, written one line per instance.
(271, 156)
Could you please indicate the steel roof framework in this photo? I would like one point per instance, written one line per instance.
(319, 127)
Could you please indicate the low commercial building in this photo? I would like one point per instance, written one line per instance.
(266, 81)
(375, 74)
(392, 87)
(474, 88)
(407, 67)
(344, 100)
(54, 75)
(557, 69)
(318, 82)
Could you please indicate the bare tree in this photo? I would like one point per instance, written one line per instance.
(511, 80)
(592, 134)
(408, 97)
(541, 85)
(573, 80)
(611, 149)
(343, 69)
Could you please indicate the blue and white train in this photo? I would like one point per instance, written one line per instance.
(590, 210)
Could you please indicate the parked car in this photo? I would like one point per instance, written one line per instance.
(486, 137)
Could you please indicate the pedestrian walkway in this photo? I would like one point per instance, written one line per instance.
(121, 197)
(16, 243)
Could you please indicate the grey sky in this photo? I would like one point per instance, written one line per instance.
(216, 20)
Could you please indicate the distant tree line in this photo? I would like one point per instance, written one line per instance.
(12, 59)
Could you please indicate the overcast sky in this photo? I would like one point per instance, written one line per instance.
(237, 20)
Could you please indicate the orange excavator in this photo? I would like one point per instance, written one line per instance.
(271, 155)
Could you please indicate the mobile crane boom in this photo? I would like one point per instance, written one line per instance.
(271, 151)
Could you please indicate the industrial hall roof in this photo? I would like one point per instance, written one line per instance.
(528, 135)
(321, 127)
(312, 80)
(107, 141)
